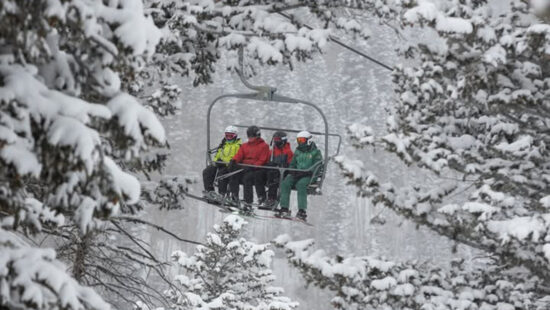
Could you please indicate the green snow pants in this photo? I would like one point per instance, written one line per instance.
(301, 187)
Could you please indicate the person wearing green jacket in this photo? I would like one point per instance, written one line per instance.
(226, 151)
(305, 157)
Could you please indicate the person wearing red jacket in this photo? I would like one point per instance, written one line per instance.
(280, 156)
(254, 152)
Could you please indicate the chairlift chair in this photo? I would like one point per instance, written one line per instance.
(267, 94)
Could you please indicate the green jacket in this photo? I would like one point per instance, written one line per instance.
(227, 150)
(305, 156)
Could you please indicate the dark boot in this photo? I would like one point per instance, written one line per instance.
(301, 214)
(283, 212)
(246, 207)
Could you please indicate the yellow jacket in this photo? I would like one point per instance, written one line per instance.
(228, 150)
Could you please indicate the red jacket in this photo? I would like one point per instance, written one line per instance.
(254, 152)
(281, 157)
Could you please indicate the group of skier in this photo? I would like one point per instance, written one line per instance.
(232, 153)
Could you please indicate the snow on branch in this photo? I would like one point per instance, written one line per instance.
(367, 282)
(138, 122)
(66, 129)
(60, 87)
(33, 278)
(196, 32)
(472, 104)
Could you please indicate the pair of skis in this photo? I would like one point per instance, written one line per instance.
(243, 213)
(225, 208)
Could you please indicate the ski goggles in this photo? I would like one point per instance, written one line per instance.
(301, 140)
(230, 136)
(279, 142)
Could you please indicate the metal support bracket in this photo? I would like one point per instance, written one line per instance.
(264, 92)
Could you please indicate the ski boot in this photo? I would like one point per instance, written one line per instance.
(270, 204)
(301, 214)
(261, 201)
(230, 201)
(246, 208)
(283, 213)
(212, 196)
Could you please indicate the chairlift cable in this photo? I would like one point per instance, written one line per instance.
(333, 39)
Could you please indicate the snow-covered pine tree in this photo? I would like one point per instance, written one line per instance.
(228, 272)
(65, 123)
(473, 104)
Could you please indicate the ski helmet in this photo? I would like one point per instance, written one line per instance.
(231, 132)
(253, 131)
(304, 137)
(279, 139)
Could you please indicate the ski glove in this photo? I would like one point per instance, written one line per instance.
(300, 174)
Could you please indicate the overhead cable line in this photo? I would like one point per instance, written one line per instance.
(333, 39)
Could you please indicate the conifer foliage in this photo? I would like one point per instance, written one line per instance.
(367, 282)
(196, 32)
(66, 123)
(228, 272)
(473, 105)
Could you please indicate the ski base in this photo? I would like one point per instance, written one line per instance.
(291, 218)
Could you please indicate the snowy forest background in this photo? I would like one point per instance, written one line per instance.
(439, 200)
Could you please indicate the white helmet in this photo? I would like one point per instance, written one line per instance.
(231, 129)
(305, 134)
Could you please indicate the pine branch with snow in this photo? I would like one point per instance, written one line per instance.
(51, 136)
(371, 283)
(33, 278)
(168, 193)
(197, 32)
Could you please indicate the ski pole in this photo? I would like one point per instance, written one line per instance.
(227, 175)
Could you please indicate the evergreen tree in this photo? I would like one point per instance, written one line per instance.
(228, 272)
(66, 126)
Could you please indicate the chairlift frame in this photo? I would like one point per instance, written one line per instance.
(267, 95)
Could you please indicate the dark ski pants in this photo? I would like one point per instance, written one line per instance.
(208, 176)
(269, 178)
(249, 178)
(301, 186)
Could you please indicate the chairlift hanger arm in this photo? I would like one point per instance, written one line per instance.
(266, 91)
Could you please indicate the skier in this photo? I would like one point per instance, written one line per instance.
(305, 157)
(254, 152)
(281, 156)
(226, 151)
